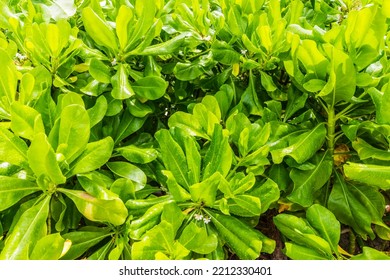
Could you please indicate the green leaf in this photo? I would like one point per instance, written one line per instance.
(356, 206)
(268, 193)
(173, 157)
(74, 131)
(124, 17)
(219, 156)
(298, 252)
(129, 171)
(139, 109)
(326, 224)
(371, 254)
(177, 191)
(267, 82)
(112, 211)
(128, 125)
(121, 88)
(296, 101)
(42, 159)
(312, 59)
(140, 226)
(314, 85)
(8, 80)
(188, 71)
(173, 215)
(245, 205)
(30, 228)
(82, 241)
(188, 123)
(372, 175)
(299, 231)
(307, 182)
(194, 159)
(98, 111)
(99, 71)
(25, 121)
(12, 148)
(224, 53)
(341, 84)
(366, 151)
(246, 242)
(13, 189)
(196, 239)
(250, 98)
(49, 247)
(158, 240)
(93, 157)
(137, 154)
(99, 30)
(94, 184)
(206, 191)
(150, 88)
(53, 42)
(302, 147)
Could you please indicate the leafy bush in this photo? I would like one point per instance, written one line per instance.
(183, 129)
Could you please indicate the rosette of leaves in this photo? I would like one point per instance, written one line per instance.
(335, 68)
(213, 197)
(40, 192)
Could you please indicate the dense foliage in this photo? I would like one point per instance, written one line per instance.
(189, 129)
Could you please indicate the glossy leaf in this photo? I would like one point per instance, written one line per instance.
(98, 111)
(372, 175)
(73, 132)
(307, 182)
(81, 242)
(367, 151)
(8, 80)
(30, 228)
(342, 79)
(129, 171)
(100, 210)
(137, 154)
(326, 224)
(25, 121)
(121, 88)
(12, 148)
(42, 159)
(219, 156)
(299, 231)
(243, 240)
(196, 239)
(188, 123)
(99, 29)
(224, 53)
(99, 71)
(173, 157)
(50, 247)
(150, 88)
(93, 157)
(302, 147)
(356, 206)
(205, 192)
(371, 254)
(14, 189)
(124, 17)
(298, 252)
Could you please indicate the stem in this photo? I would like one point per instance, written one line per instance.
(49, 223)
(352, 243)
(350, 106)
(331, 129)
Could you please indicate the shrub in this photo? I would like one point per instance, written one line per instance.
(183, 129)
